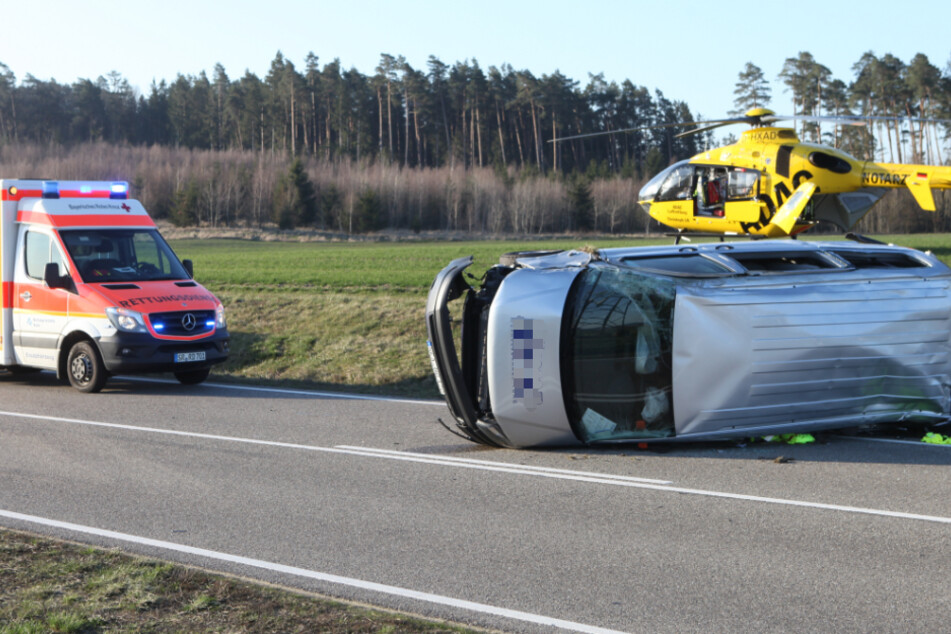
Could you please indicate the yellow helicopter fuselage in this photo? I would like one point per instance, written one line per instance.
(771, 184)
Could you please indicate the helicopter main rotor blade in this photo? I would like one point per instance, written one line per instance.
(758, 118)
(705, 128)
(903, 118)
(621, 131)
(839, 119)
(712, 122)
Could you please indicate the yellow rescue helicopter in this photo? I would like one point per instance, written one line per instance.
(771, 184)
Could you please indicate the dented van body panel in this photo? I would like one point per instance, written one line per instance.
(698, 343)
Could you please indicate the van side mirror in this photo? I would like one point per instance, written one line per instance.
(189, 267)
(52, 277)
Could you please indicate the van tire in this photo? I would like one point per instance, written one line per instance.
(192, 377)
(84, 367)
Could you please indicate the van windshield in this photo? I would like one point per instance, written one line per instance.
(617, 344)
(121, 255)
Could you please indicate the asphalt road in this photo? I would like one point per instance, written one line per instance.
(371, 500)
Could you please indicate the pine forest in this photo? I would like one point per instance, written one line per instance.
(448, 148)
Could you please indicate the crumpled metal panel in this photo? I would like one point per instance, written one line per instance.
(559, 260)
(524, 332)
(813, 355)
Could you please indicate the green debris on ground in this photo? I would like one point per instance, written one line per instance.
(936, 439)
(791, 439)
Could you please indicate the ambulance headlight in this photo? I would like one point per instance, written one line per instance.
(125, 319)
(220, 317)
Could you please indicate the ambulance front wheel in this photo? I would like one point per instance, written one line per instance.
(192, 377)
(84, 367)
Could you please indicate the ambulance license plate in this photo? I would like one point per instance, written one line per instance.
(185, 357)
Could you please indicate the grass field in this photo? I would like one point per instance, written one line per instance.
(349, 316)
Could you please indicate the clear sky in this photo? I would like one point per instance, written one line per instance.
(690, 50)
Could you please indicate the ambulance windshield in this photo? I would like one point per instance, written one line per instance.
(122, 255)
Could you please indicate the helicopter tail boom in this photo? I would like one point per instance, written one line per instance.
(919, 179)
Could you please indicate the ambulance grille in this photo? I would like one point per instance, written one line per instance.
(185, 323)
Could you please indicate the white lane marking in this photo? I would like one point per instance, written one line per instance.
(896, 441)
(562, 474)
(454, 459)
(278, 390)
(582, 476)
(312, 574)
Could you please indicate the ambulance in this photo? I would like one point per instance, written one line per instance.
(91, 289)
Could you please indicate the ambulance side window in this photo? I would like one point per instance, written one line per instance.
(41, 249)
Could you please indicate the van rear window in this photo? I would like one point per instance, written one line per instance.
(687, 265)
(785, 262)
(881, 259)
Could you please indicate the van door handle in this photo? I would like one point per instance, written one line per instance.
(25, 296)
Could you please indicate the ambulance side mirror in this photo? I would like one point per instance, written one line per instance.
(52, 277)
(189, 267)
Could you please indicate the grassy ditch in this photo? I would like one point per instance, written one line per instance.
(349, 316)
(52, 586)
(343, 316)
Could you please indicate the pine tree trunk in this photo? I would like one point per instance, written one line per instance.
(538, 155)
(293, 122)
(389, 118)
(379, 102)
(406, 129)
(518, 140)
(419, 145)
(498, 120)
(479, 134)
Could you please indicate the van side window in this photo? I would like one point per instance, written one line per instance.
(40, 249)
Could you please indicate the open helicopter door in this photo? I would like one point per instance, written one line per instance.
(786, 216)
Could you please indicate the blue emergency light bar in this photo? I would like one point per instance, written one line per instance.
(118, 190)
(50, 189)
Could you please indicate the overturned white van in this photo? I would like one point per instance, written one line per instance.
(698, 342)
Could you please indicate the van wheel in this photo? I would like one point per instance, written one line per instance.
(84, 367)
(192, 377)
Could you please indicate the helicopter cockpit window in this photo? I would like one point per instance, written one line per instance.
(676, 186)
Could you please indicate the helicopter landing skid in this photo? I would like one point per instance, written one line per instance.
(858, 237)
(687, 235)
